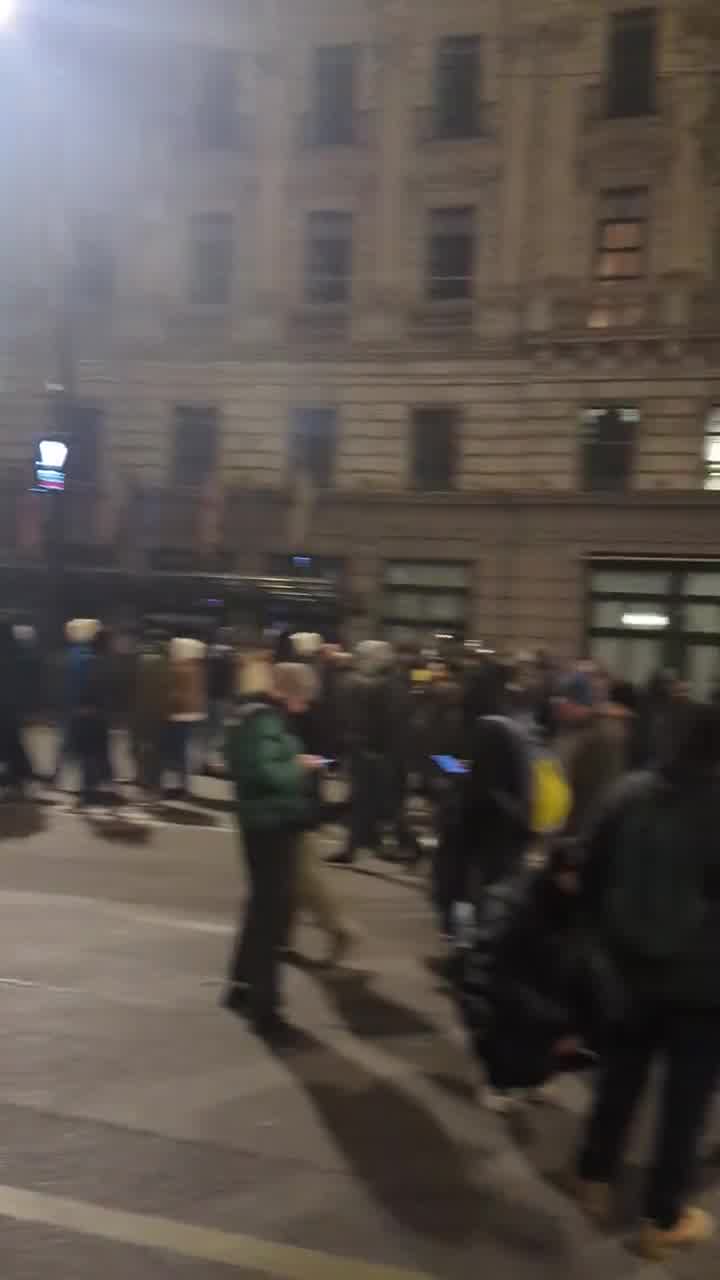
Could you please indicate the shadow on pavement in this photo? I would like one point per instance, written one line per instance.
(366, 1012)
(22, 820)
(115, 827)
(407, 1161)
(182, 816)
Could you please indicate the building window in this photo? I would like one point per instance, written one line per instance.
(93, 264)
(621, 252)
(328, 257)
(712, 450)
(451, 253)
(313, 444)
(434, 449)
(195, 443)
(216, 115)
(211, 258)
(608, 433)
(80, 426)
(333, 95)
(425, 599)
(457, 84)
(632, 66)
(648, 616)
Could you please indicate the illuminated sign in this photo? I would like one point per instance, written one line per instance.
(50, 460)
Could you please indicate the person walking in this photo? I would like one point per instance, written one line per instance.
(187, 707)
(270, 774)
(150, 713)
(651, 897)
(13, 695)
(371, 727)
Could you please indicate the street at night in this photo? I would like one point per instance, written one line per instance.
(147, 1132)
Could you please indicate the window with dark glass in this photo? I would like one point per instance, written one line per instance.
(450, 253)
(333, 95)
(632, 69)
(195, 443)
(608, 447)
(80, 426)
(216, 115)
(434, 449)
(93, 264)
(424, 598)
(211, 258)
(328, 257)
(457, 87)
(621, 252)
(313, 444)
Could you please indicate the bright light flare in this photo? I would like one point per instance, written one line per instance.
(8, 9)
(646, 621)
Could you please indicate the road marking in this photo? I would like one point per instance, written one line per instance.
(283, 1261)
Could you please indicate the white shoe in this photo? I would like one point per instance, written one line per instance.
(503, 1102)
(549, 1094)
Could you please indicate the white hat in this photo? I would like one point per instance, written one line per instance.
(82, 630)
(184, 649)
(306, 644)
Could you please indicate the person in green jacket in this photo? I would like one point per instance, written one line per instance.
(270, 776)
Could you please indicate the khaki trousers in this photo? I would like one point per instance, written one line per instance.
(313, 892)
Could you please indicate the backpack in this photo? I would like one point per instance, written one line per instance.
(655, 902)
(551, 795)
(548, 793)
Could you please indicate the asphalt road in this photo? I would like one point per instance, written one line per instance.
(146, 1132)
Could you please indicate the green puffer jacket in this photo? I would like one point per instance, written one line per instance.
(270, 786)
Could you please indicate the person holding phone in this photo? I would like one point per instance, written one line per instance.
(271, 775)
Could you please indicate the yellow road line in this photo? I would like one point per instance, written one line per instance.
(284, 1261)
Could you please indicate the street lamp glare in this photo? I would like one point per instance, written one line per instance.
(7, 11)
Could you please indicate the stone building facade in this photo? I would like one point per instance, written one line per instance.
(423, 295)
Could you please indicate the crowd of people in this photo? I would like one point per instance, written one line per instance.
(575, 868)
(577, 877)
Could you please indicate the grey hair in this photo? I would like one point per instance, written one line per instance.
(295, 680)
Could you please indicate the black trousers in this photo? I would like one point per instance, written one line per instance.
(271, 858)
(688, 1044)
(367, 804)
(12, 751)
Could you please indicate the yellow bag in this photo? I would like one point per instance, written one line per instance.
(551, 796)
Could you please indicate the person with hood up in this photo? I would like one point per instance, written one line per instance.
(270, 774)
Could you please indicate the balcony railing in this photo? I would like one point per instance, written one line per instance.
(319, 322)
(438, 319)
(429, 127)
(597, 313)
(596, 107)
(237, 132)
(314, 132)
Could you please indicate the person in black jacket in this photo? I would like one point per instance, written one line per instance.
(13, 696)
(522, 986)
(374, 717)
(656, 848)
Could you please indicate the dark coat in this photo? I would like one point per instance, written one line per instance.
(691, 979)
(521, 986)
